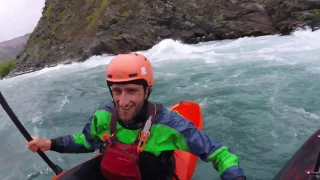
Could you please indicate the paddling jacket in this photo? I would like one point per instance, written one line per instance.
(170, 131)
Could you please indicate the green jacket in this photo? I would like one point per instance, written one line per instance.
(170, 131)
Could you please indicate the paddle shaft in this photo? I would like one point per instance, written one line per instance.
(25, 133)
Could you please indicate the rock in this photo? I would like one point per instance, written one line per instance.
(74, 30)
(184, 34)
(257, 17)
(314, 4)
(305, 15)
(253, 7)
(165, 34)
(97, 48)
(198, 32)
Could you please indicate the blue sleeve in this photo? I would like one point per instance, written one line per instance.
(201, 145)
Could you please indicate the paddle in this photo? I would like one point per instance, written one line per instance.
(25, 133)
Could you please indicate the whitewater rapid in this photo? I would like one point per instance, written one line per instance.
(259, 96)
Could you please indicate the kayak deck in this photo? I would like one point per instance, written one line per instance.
(185, 162)
(306, 159)
(89, 169)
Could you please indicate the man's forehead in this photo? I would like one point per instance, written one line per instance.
(125, 86)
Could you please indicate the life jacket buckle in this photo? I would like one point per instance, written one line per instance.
(107, 139)
(144, 135)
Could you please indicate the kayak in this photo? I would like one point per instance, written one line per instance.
(305, 163)
(185, 161)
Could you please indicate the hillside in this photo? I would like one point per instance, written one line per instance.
(77, 29)
(11, 48)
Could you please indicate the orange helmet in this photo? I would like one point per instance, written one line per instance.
(129, 67)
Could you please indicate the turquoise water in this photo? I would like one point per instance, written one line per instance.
(259, 96)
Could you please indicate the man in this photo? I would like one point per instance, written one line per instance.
(137, 136)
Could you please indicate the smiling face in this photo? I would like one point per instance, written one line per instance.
(129, 99)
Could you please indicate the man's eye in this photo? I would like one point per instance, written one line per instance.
(131, 91)
(116, 91)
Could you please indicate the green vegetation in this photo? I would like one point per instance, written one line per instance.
(40, 42)
(96, 14)
(125, 8)
(316, 12)
(20, 53)
(124, 15)
(44, 53)
(6, 66)
(219, 18)
(115, 33)
(63, 14)
(48, 10)
(56, 26)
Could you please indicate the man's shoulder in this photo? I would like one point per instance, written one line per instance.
(106, 106)
(166, 116)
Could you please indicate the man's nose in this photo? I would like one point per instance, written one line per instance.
(123, 101)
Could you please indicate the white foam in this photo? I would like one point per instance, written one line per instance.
(242, 49)
(93, 61)
(37, 118)
(304, 113)
(63, 102)
(169, 49)
(313, 70)
(238, 73)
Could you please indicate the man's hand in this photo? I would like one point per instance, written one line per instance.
(38, 143)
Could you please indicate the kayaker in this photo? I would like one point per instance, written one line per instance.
(144, 132)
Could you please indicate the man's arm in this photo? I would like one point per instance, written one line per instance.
(85, 142)
(198, 143)
(76, 143)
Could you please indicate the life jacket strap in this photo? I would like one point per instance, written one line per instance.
(144, 134)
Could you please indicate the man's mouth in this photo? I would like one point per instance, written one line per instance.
(126, 108)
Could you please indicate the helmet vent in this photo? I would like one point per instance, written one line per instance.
(133, 75)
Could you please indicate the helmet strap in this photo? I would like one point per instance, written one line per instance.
(111, 95)
(149, 92)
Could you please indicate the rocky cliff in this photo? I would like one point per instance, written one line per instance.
(74, 30)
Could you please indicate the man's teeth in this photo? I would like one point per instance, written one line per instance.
(126, 108)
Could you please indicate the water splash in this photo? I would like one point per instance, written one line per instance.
(63, 102)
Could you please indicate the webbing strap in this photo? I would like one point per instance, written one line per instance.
(114, 119)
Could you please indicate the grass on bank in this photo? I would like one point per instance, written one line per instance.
(6, 66)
